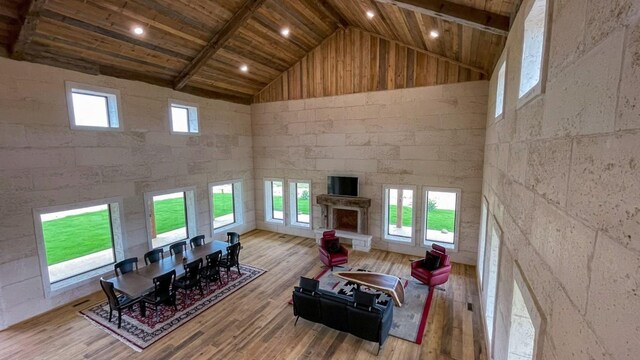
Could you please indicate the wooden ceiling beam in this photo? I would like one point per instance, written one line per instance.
(460, 14)
(333, 13)
(218, 41)
(29, 17)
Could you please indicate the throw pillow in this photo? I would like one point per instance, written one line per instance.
(333, 247)
(431, 261)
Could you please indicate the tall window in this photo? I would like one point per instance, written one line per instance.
(78, 239)
(398, 213)
(171, 216)
(492, 280)
(92, 107)
(533, 47)
(442, 212)
(273, 200)
(184, 117)
(226, 204)
(522, 332)
(500, 89)
(300, 203)
(482, 242)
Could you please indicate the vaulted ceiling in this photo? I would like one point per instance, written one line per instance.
(198, 46)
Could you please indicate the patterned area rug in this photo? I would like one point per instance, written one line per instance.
(409, 321)
(139, 333)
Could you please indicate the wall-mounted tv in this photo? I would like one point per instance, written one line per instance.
(342, 185)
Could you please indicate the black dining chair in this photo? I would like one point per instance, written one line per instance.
(117, 303)
(153, 256)
(233, 237)
(196, 241)
(178, 248)
(125, 266)
(232, 259)
(191, 279)
(163, 293)
(211, 271)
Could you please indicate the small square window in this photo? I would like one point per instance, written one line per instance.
(184, 118)
(92, 107)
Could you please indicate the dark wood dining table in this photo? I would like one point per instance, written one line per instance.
(139, 282)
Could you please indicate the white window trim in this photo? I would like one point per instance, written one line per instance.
(482, 241)
(193, 115)
(293, 211)
(484, 297)
(428, 243)
(268, 201)
(385, 211)
(502, 62)
(113, 102)
(191, 213)
(540, 88)
(119, 239)
(238, 208)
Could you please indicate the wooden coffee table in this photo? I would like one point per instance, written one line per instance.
(386, 283)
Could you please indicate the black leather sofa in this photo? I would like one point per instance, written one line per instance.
(358, 315)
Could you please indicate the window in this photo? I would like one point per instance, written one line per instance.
(442, 209)
(522, 331)
(482, 243)
(184, 117)
(273, 200)
(226, 204)
(500, 89)
(79, 241)
(92, 107)
(398, 213)
(300, 202)
(171, 216)
(492, 280)
(533, 47)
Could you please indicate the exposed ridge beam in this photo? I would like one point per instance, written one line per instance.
(218, 41)
(333, 13)
(461, 14)
(29, 17)
(430, 53)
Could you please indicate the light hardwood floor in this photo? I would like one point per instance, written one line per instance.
(257, 323)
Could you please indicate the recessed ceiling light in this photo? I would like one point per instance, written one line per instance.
(370, 14)
(434, 34)
(138, 30)
(244, 68)
(285, 32)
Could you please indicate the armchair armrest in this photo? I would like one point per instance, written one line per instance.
(344, 250)
(323, 252)
(442, 270)
(416, 263)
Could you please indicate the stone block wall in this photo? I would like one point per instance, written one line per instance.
(44, 163)
(428, 136)
(562, 179)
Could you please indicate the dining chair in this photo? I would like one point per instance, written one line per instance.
(153, 256)
(233, 237)
(232, 259)
(178, 248)
(163, 293)
(117, 303)
(125, 266)
(191, 279)
(211, 271)
(196, 241)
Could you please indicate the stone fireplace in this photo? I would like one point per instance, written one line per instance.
(345, 213)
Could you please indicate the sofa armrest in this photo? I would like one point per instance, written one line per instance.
(386, 322)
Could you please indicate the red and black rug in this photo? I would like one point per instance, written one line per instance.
(140, 332)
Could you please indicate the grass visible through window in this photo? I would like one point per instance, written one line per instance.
(438, 219)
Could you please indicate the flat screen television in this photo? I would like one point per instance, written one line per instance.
(342, 185)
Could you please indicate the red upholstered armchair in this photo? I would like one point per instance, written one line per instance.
(331, 252)
(433, 277)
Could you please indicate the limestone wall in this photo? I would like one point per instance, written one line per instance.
(44, 163)
(562, 179)
(423, 136)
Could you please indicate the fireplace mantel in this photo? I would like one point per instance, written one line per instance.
(328, 202)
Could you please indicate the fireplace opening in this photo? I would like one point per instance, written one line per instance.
(345, 219)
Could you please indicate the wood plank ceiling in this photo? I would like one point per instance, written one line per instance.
(198, 46)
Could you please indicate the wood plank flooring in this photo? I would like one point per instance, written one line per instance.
(257, 323)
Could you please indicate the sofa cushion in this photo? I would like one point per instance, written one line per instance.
(431, 261)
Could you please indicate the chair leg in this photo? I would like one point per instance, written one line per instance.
(119, 318)
(110, 314)
(238, 265)
(296, 323)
